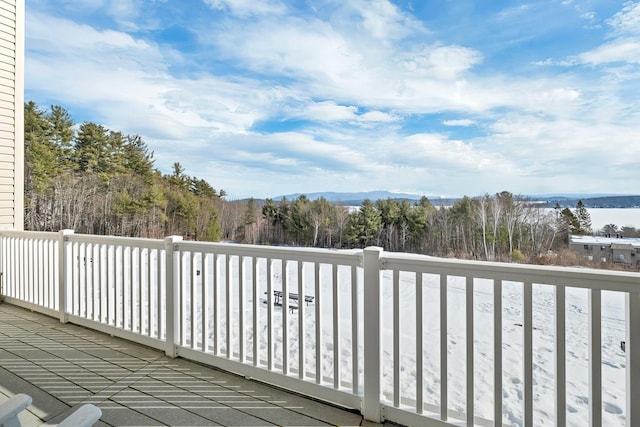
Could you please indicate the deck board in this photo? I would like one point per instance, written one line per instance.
(63, 366)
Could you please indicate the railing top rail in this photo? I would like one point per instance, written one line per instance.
(621, 281)
(44, 235)
(329, 256)
(117, 241)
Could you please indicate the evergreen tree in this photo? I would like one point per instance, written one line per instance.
(583, 219)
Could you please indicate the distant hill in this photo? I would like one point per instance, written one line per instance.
(594, 201)
(564, 200)
(353, 198)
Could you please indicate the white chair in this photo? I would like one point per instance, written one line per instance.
(10, 409)
(85, 416)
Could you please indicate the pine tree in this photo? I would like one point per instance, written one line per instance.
(583, 219)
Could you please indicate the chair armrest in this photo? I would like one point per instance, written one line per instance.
(84, 416)
(10, 409)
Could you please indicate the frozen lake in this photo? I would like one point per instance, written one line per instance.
(618, 216)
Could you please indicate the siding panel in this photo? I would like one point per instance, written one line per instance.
(11, 113)
(7, 150)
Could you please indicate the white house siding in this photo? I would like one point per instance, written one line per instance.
(11, 114)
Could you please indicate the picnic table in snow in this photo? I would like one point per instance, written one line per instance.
(293, 297)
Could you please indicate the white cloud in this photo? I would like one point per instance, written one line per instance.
(620, 50)
(325, 111)
(627, 21)
(377, 117)
(385, 21)
(624, 46)
(460, 122)
(246, 8)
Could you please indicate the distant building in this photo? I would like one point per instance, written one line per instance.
(614, 249)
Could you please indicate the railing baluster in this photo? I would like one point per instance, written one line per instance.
(122, 288)
(470, 351)
(97, 283)
(110, 278)
(182, 285)
(194, 300)
(256, 302)
(88, 282)
(17, 275)
(228, 295)
(269, 315)
(24, 282)
(336, 326)
(116, 266)
(34, 261)
(595, 357)
(141, 287)
(419, 345)
(527, 310)
(161, 282)
(20, 283)
(241, 304)
(206, 312)
(56, 249)
(132, 291)
(497, 352)
(149, 287)
(560, 360)
(285, 317)
(104, 284)
(38, 266)
(301, 323)
(396, 338)
(215, 277)
(318, 321)
(79, 275)
(85, 286)
(632, 357)
(76, 272)
(355, 316)
(444, 347)
(43, 267)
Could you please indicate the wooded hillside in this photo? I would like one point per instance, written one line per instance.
(99, 181)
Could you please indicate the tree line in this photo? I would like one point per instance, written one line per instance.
(500, 227)
(98, 181)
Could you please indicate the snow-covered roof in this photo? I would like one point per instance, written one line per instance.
(601, 240)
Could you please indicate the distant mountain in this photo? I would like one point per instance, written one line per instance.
(571, 196)
(352, 197)
(595, 201)
(564, 200)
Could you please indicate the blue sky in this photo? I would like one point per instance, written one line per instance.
(434, 97)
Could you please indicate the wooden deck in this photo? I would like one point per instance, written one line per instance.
(62, 366)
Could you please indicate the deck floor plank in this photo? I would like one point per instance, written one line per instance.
(62, 366)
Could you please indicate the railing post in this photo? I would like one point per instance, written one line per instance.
(371, 324)
(172, 298)
(64, 277)
(632, 352)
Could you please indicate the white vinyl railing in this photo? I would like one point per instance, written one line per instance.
(412, 339)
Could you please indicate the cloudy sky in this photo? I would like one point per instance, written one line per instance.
(436, 97)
